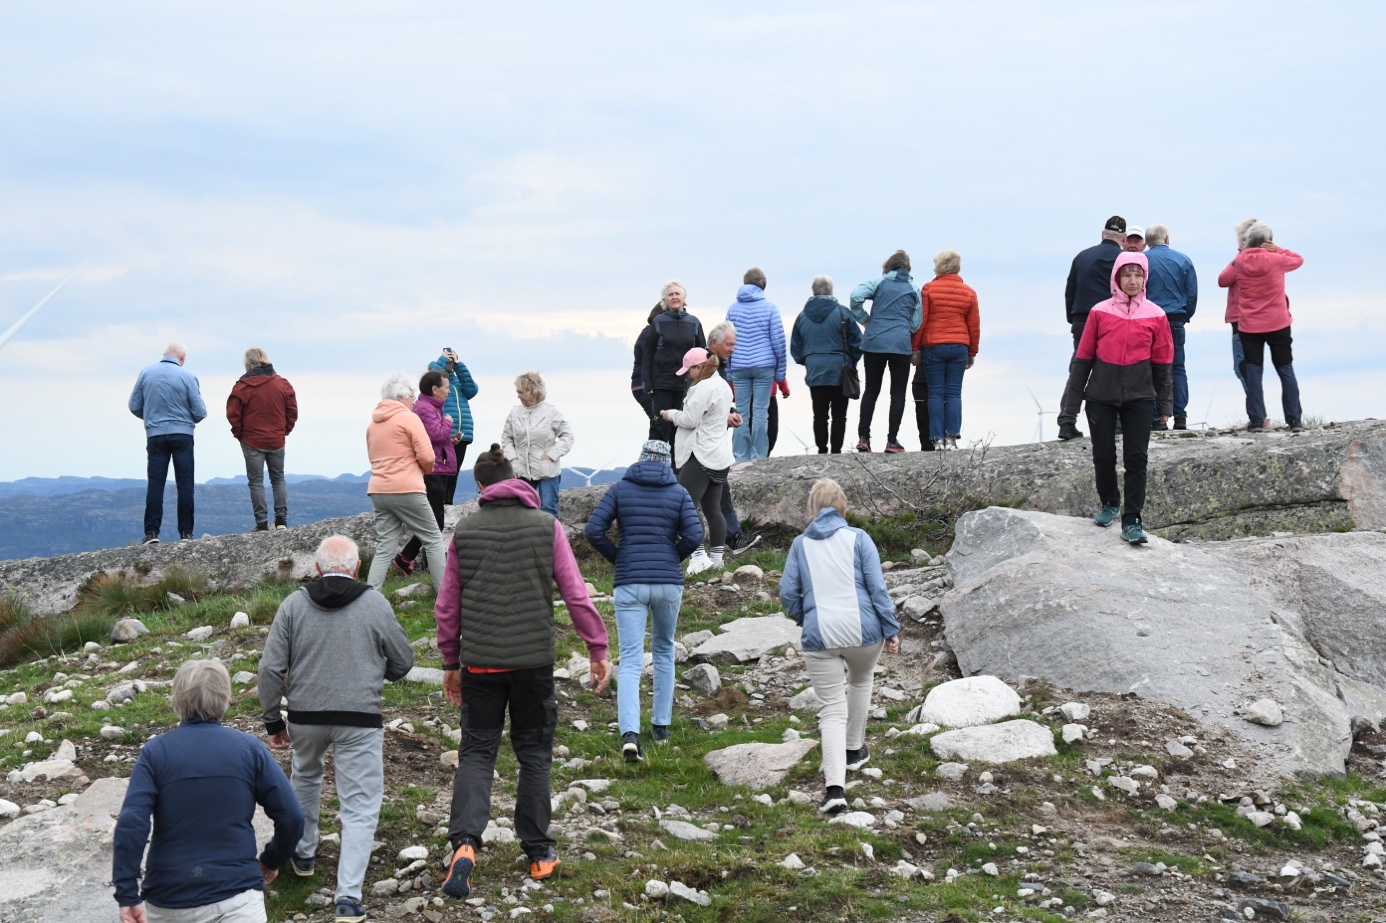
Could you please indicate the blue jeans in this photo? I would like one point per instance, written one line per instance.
(1238, 357)
(177, 447)
(548, 493)
(1282, 357)
(660, 603)
(751, 439)
(1181, 377)
(944, 366)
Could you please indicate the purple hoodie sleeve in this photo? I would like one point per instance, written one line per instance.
(586, 620)
(434, 425)
(447, 612)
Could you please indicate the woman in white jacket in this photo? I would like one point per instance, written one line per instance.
(535, 437)
(703, 450)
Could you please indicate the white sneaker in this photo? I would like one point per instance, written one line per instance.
(698, 562)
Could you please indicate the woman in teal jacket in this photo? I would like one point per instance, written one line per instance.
(896, 313)
(463, 390)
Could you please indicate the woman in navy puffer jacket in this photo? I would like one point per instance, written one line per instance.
(659, 529)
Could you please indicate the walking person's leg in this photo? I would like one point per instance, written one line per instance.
(1282, 357)
(772, 420)
(838, 429)
(533, 717)
(160, 453)
(934, 377)
(632, 612)
(413, 511)
(309, 754)
(1254, 349)
(762, 382)
(665, 599)
(821, 397)
(436, 491)
(360, 774)
(1102, 422)
(1135, 452)
(919, 390)
(693, 478)
(954, 367)
(874, 365)
(484, 698)
(183, 477)
(827, 672)
(730, 517)
(275, 461)
(388, 532)
(255, 480)
(1238, 357)
(899, 384)
(742, 437)
(1180, 374)
(1068, 423)
(861, 668)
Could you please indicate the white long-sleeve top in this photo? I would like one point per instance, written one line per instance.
(702, 425)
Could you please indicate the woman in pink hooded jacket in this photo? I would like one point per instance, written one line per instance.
(1257, 276)
(1122, 368)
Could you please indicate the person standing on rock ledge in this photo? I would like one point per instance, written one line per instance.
(169, 401)
(333, 623)
(262, 411)
(1088, 283)
(200, 783)
(1122, 368)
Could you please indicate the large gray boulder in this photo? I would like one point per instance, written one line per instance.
(1057, 598)
(757, 765)
(747, 638)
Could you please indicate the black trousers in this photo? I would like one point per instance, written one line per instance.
(876, 364)
(707, 497)
(919, 390)
(662, 429)
(1135, 420)
(829, 402)
(1077, 330)
(440, 490)
(642, 399)
(772, 423)
(528, 696)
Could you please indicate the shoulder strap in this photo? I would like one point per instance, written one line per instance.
(842, 316)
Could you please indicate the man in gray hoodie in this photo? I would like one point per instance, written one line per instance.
(331, 648)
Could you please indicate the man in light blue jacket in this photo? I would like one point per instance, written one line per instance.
(1173, 285)
(757, 365)
(896, 313)
(167, 398)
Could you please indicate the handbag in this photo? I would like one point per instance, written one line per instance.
(851, 383)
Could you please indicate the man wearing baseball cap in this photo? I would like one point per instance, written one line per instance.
(1089, 281)
(1135, 239)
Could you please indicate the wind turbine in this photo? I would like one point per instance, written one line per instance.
(1039, 425)
(9, 334)
(592, 472)
(808, 450)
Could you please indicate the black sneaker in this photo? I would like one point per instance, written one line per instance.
(403, 564)
(1181, 423)
(630, 747)
(151, 538)
(742, 544)
(1069, 431)
(660, 733)
(349, 910)
(1296, 426)
(833, 800)
(857, 758)
(261, 527)
(281, 525)
(303, 867)
(185, 536)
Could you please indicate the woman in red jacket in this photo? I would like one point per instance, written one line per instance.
(946, 342)
(1122, 368)
(1257, 275)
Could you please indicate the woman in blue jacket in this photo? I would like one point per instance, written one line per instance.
(834, 588)
(659, 529)
(827, 341)
(896, 313)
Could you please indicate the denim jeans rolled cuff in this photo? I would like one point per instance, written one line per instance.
(944, 366)
(752, 388)
(178, 449)
(636, 605)
(256, 460)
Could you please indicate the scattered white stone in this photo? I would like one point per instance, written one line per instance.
(1166, 802)
(1291, 820)
(413, 853)
(448, 759)
(8, 809)
(384, 888)
(692, 896)
(807, 700)
(682, 830)
(111, 732)
(242, 677)
(656, 890)
(65, 751)
(921, 729)
(791, 861)
(1264, 711)
(200, 634)
(991, 869)
(1102, 898)
(909, 871)
(951, 772)
(855, 819)
(494, 833)
(128, 629)
(995, 743)
(718, 721)
(410, 591)
(970, 701)
(1261, 818)
(53, 696)
(101, 705)
(1145, 772)
(703, 679)
(240, 620)
(1075, 711)
(1073, 733)
(429, 675)
(1122, 783)
(18, 698)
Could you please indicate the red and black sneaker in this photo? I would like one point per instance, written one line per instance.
(894, 448)
(541, 867)
(403, 565)
(459, 881)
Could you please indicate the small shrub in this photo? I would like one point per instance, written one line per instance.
(114, 595)
(181, 581)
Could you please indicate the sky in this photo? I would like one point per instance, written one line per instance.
(353, 186)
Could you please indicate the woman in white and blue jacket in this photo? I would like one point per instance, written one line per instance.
(834, 588)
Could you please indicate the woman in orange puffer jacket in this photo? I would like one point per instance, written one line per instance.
(946, 342)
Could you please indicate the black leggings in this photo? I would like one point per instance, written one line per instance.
(439, 489)
(829, 401)
(707, 496)
(1134, 419)
(876, 364)
(919, 388)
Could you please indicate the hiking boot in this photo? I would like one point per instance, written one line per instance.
(261, 527)
(151, 538)
(1157, 427)
(403, 564)
(660, 733)
(833, 800)
(742, 544)
(349, 910)
(303, 867)
(1181, 423)
(459, 880)
(1069, 431)
(541, 867)
(1133, 534)
(185, 536)
(1296, 426)
(893, 447)
(281, 525)
(1255, 426)
(863, 445)
(630, 747)
(857, 758)
(1108, 516)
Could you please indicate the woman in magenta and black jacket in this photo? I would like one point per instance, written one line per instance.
(1122, 368)
(441, 483)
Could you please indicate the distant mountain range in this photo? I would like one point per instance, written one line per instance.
(42, 517)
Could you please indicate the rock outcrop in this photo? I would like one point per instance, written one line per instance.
(1210, 627)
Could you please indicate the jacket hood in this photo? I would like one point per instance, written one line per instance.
(750, 292)
(820, 307)
(334, 592)
(513, 489)
(436, 402)
(258, 375)
(387, 409)
(897, 275)
(825, 523)
(1120, 298)
(650, 474)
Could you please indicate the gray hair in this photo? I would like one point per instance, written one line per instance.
(946, 262)
(255, 357)
(201, 689)
(176, 349)
(1258, 234)
(822, 285)
(531, 383)
(1242, 228)
(665, 291)
(397, 387)
(1156, 234)
(337, 554)
(1117, 236)
(721, 332)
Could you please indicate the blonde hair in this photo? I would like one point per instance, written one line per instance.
(531, 384)
(664, 293)
(705, 370)
(201, 689)
(255, 357)
(946, 262)
(824, 493)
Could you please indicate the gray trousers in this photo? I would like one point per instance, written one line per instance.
(843, 678)
(255, 462)
(396, 515)
(360, 787)
(246, 907)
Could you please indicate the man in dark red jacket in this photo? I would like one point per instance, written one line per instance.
(262, 409)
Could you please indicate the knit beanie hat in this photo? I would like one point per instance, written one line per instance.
(657, 450)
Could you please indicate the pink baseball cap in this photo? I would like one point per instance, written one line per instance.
(695, 356)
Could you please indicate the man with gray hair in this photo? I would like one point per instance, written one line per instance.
(721, 341)
(1173, 285)
(331, 648)
(1089, 281)
(262, 410)
(169, 401)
